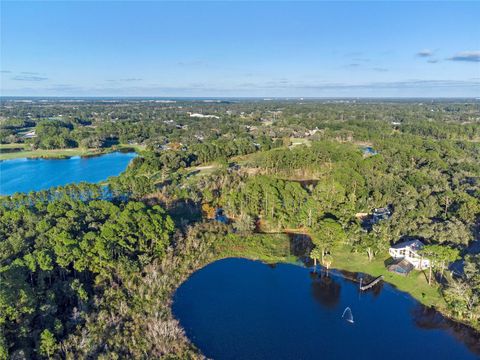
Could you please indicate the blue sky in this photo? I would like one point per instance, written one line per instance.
(307, 49)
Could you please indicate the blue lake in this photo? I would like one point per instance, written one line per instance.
(241, 309)
(25, 175)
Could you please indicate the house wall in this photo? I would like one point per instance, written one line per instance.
(411, 256)
(418, 262)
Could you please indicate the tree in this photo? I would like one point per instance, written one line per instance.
(328, 235)
(462, 299)
(464, 293)
(447, 201)
(48, 344)
(440, 257)
(469, 208)
(244, 224)
(330, 194)
(208, 211)
(472, 270)
(54, 134)
(3, 346)
(368, 243)
(327, 261)
(93, 141)
(316, 255)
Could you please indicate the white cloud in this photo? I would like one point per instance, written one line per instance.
(468, 56)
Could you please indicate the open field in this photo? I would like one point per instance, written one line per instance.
(57, 153)
(300, 141)
(270, 248)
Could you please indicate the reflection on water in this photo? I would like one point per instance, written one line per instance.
(241, 309)
(326, 291)
(429, 319)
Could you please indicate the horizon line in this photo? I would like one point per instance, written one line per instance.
(231, 97)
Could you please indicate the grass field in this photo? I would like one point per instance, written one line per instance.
(57, 153)
(415, 283)
(269, 248)
(300, 141)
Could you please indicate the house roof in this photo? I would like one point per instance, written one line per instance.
(413, 244)
(368, 150)
(401, 266)
(382, 211)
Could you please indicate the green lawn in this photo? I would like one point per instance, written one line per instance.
(204, 169)
(415, 283)
(11, 146)
(57, 153)
(276, 248)
(300, 141)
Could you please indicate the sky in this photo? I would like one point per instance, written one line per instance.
(240, 49)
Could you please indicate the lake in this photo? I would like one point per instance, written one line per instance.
(242, 309)
(25, 175)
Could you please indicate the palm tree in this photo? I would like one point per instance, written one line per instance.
(315, 254)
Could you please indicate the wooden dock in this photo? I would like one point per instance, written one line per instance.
(371, 283)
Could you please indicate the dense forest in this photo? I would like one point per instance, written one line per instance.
(88, 270)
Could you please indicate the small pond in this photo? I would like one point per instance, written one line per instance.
(242, 309)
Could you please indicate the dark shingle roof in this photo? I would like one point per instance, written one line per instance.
(401, 266)
(414, 244)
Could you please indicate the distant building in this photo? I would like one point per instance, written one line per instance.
(197, 115)
(312, 132)
(373, 218)
(380, 214)
(30, 135)
(220, 216)
(408, 251)
(369, 151)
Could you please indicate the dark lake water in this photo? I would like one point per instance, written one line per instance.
(241, 309)
(25, 175)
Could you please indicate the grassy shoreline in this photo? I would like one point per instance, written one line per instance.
(415, 284)
(58, 153)
(272, 248)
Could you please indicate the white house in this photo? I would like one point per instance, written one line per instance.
(408, 250)
(197, 115)
(30, 135)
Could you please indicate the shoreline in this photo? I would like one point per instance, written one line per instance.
(415, 285)
(338, 272)
(63, 154)
(455, 324)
